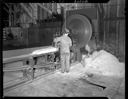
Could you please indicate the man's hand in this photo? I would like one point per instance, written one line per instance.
(55, 40)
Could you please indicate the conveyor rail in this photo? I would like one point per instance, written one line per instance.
(28, 69)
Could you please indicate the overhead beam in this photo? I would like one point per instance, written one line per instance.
(34, 9)
(6, 10)
(31, 6)
(25, 8)
(7, 5)
(28, 12)
(46, 9)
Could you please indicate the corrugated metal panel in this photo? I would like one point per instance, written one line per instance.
(33, 35)
(25, 36)
(43, 33)
(44, 12)
(115, 38)
(115, 29)
(38, 13)
(122, 39)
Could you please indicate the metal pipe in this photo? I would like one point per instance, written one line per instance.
(104, 35)
(65, 16)
(46, 9)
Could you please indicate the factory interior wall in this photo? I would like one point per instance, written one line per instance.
(111, 28)
(34, 36)
(42, 34)
(114, 38)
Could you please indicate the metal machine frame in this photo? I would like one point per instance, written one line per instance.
(29, 62)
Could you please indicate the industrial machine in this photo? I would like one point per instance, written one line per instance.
(80, 33)
(81, 29)
(28, 62)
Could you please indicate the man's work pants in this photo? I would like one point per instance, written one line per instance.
(65, 62)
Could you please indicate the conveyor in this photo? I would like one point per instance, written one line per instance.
(30, 59)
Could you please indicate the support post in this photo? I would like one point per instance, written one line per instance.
(31, 63)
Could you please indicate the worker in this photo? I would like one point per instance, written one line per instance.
(65, 45)
(88, 49)
(92, 44)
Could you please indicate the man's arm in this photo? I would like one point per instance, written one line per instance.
(88, 48)
(57, 39)
(70, 42)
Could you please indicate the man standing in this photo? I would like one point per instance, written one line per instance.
(65, 44)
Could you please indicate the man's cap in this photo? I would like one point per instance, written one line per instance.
(66, 30)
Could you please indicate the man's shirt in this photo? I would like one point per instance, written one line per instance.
(65, 43)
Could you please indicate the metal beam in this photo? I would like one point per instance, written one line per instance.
(31, 6)
(7, 5)
(25, 8)
(6, 10)
(34, 10)
(46, 9)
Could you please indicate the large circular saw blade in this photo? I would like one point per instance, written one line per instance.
(80, 28)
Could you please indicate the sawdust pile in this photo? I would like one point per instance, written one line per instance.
(104, 63)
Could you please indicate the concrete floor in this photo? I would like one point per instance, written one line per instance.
(107, 71)
(71, 84)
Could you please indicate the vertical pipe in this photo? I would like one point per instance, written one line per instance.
(98, 24)
(54, 7)
(14, 16)
(108, 20)
(124, 42)
(59, 9)
(117, 30)
(47, 8)
(35, 12)
(76, 5)
(116, 37)
(45, 13)
(104, 34)
(38, 12)
(118, 8)
(41, 13)
(104, 26)
(12, 19)
(65, 16)
(97, 27)
(27, 37)
(9, 17)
